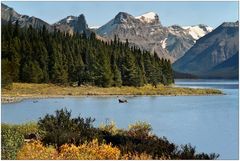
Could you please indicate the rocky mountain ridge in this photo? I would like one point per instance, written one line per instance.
(9, 14)
(147, 32)
(210, 51)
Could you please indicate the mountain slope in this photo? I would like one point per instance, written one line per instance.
(72, 24)
(9, 14)
(198, 31)
(141, 32)
(69, 24)
(147, 32)
(226, 69)
(210, 50)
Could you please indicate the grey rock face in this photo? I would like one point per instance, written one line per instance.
(228, 69)
(178, 41)
(8, 14)
(72, 24)
(210, 50)
(147, 33)
(144, 35)
(69, 24)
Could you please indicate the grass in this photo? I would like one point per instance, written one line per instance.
(51, 90)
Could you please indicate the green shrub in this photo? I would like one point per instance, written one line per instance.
(111, 128)
(60, 128)
(13, 137)
(140, 130)
(189, 152)
(12, 140)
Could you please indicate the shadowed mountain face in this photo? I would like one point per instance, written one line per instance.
(210, 51)
(147, 32)
(137, 31)
(69, 24)
(227, 69)
(72, 24)
(8, 14)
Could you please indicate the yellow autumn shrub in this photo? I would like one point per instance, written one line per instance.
(111, 128)
(69, 152)
(89, 151)
(136, 156)
(35, 150)
(143, 156)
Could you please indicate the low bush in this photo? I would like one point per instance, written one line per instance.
(35, 150)
(87, 151)
(77, 138)
(13, 138)
(61, 129)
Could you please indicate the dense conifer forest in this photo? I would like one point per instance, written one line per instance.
(38, 56)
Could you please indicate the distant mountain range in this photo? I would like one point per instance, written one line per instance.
(213, 55)
(144, 31)
(72, 24)
(9, 14)
(69, 24)
(147, 32)
(196, 50)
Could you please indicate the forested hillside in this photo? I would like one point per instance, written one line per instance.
(38, 56)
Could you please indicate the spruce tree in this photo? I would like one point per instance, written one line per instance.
(40, 56)
(6, 74)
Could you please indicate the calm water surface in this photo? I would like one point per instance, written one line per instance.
(208, 122)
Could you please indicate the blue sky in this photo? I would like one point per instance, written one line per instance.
(98, 13)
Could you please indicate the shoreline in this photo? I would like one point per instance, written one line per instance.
(22, 91)
(18, 99)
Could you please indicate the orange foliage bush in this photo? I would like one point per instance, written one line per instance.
(143, 156)
(136, 156)
(36, 150)
(89, 151)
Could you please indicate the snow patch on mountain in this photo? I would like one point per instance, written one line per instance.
(164, 43)
(94, 27)
(108, 28)
(209, 29)
(70, 18)
(197, 32)
(147, 17)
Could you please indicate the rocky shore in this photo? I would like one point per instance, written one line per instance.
(5, 100)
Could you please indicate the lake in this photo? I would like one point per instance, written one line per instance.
(208, 122)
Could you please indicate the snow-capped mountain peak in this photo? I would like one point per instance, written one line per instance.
(209, 29)
(198, 31)
(69, 18)
(148, 17)
(94, 27)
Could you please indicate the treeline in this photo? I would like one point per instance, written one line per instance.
(39, 56)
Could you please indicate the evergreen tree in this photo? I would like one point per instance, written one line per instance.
(130, 71)
(104, 71)
(6, 74)
(39, 56)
